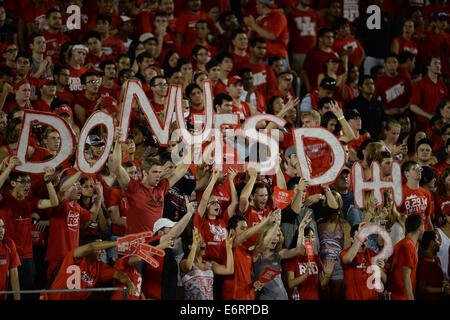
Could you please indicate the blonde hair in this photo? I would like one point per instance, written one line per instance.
(394, 211)
(315, 115)
(373, 152)
(387, 125)
(263, 234)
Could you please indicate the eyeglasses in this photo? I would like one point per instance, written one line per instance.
(418, 169)
(11, 50)
(24, 182)
(213, 202)
(94, 81)
(162, 85)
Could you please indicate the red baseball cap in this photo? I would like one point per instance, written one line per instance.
(269, 3)
(46, 81)
(110, 104)
(234, 80)
(20, 83)
(64, 109)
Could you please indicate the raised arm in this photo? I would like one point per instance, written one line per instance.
(351, 253)
(234, 197)
(349, 134)
(300, 248)
(179, 227)
(273, 230)
(119, 171)
(229, 267)
(53, 200)
(95, 210)
(186, 264)
(247, 234)
(207, 193)
(13, 162)
(182, 168)
(245, 193)
(297, 200)
(281, 181)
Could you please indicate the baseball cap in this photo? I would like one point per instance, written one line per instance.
(110, 104)
(6, 45)
(147, 36)
(351, 114)
(162, 223)
(94, 140)
(269, 3)
(124, 19)
(20, 83)
(64, 109)
(290, 151)
(234, 80)
(46, 81)
(439, 15)
(345, 170)
(328, 83)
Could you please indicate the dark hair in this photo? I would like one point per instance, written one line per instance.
(104, 17)
(220, 98)
(407, 166)
(307, 231)
(270, 104)
(105, 63)
(26, 56)
(322, 102)
(85, 75)
(424, 141)
(405, 56)
(412, 223)
(169, 72)
(141, 56)
(222, 56)
(63, 49)
(374, 70)
(183, 61)
(152, 82)
(244, 71)
(428, 59)
(260, 185)
(339, 22)
(354, 230)
(161, 13)
(50, 11)
(362, 79)
(326, 117)
(234, 220)
(165, 157)
(204, 21)
(428, 174)
(120, 56)
(191, 88)
(94, 34)
(15, 175)
(235, 33)
(196, 50)
(427, 237)
(211, 64)
(434, 119)
(363, 146)
(444, 128)
(324, 30)
(292, 183)
(257, 40)
(391, 55)
(35, 35)
(59, 68)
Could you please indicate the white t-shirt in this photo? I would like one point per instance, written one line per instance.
(443, 251)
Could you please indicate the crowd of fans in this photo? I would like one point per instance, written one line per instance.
(383, 92)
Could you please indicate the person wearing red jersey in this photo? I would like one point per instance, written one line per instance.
(394, 89)
(416, 199)
(48, 93)
(226, 63)
(284, 86)
(315, 58)
(9, 53)
(82, 268)
(22, 99)
(270, 25)
(185, 25)
(23, 67)
(327, 88)
(111, 46)
(61, 74)
(159, 88)
(303, 22)
(239, 41)
(202, 32)
(406, 65)
(105, 7)
(86, 102)
(9, 261)
(305, 274)
(345, 44)
(77, 56)
(166, 38)
(240, 285)
(428, 92)
(235, 89)
(33, 14)
(54, 37)
(66, 221)
(18, 207)
(263, 76)
(145, 197)
(405, 41)
(431, 281)
(355, 261)
(109, 84)
(95, 55)
(402, 265)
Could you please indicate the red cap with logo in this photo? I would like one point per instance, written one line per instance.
(64, 109)
(110, 104)
(234, 80)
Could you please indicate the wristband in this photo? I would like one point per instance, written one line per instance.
(340, 118)
(48, 181)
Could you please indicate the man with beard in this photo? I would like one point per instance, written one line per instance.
(355, 261)
(109, 85)
(61, 74)
(54, 37)
(41, 66)
(86, 102)
(403, 263)
(431, 281)
(66, 221)
(18, 207)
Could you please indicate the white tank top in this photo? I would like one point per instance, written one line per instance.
(443, 251)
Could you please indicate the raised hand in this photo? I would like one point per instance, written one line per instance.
(232, 174)
(14, 161)
(305, 221)
(190, 205)
(49, 172)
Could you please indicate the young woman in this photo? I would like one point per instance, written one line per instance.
(390, 136)
(269, 253)
(329, 121)
(305, 274)
(334, 236)
(405, 41)
(353, 78)
(200, 55)
(197, 275)
(170, 60)
(330, 69)
(393, 221)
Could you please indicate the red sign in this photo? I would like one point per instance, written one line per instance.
(309, 246)
(268, 275)
(282, 198)
(134, 244)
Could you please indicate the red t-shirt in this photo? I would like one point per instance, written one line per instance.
(87, 104)
(237, 60)
(36, 16)
(355, 276)
(339, 45)
(64, 229)
(185, 24)
(313, 64)
(90, 275)
(146, 205)
(53, 42)
(308, 289)
(405, 255)
(303, 26)
(263, 76)
(41, 105)
(74, 80)
(418, 202)
(9, 259)
(255, 216)
(239, 286)
(133, 273)
(113, 46)
(94, 60)
(66, 96)
(407, 45)
(214, 232)
(276, 23)
(431, 273)
(394, 92)
(17, 218)
(116, 197)
(242, 112)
